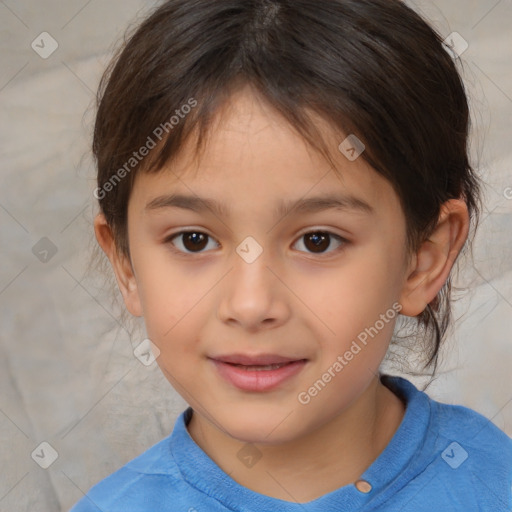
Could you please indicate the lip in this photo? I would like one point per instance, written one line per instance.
(257, 379)
(260, 359)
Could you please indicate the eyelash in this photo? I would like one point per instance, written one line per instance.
(170, 238)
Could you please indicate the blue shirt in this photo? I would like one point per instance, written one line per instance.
(441, 458)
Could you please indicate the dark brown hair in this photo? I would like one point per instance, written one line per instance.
(373, 68)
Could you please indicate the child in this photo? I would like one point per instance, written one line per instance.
(279, 182)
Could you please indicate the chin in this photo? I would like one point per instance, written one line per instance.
(258, 426)
(252, 435)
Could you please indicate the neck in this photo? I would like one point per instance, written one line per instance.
(330, 457)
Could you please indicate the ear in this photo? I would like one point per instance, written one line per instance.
(431, 265)
(121, 264)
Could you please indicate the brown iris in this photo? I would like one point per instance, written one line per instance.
(319, 241)
(197, 241)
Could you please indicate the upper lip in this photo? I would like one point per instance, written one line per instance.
(261, 359)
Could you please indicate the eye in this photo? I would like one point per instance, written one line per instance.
(319, 241)
(191, 241)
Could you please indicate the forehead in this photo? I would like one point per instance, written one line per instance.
(253, 155)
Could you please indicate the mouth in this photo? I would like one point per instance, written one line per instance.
(259, 367)
(257, 373)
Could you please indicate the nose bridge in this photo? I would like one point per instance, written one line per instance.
(250, 274)
(251, 293)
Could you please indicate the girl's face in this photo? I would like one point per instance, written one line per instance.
(314, 289)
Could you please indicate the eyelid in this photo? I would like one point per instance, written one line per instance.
(321, 229)
(186, 229)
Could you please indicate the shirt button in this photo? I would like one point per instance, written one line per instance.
(363, 486)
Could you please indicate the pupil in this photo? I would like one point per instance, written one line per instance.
(319, 241)
(197, 239)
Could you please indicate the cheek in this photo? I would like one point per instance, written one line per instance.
(347, 299)
(175, 305)
(163, 292)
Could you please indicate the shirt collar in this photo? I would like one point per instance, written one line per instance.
(403, 458)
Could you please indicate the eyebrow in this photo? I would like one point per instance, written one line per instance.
(305, 205)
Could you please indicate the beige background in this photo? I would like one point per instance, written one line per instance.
(68, 375)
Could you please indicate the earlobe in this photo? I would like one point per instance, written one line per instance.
(121, 265)
(431, 266)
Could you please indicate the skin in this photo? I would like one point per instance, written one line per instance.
(290, 301)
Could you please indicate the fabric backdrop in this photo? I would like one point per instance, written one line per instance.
(68, 375)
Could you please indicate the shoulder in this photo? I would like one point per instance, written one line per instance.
(479, 434)
(108, 491)
(474, 451)
(128, 487)
(463, 459)
(457, 423)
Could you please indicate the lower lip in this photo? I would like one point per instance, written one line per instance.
(258, 380)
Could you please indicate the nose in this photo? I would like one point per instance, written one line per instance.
(253, 296)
